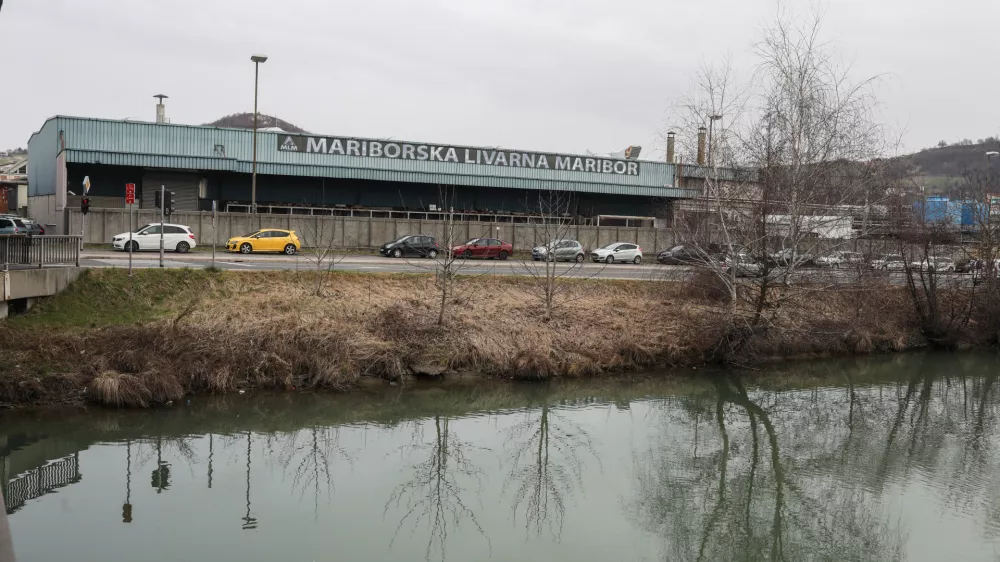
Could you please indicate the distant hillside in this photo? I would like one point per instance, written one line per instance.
(952, 159)
(245, 121)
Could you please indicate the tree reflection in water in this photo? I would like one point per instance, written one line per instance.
(435, 493)
(541, 483)
(761, 492)
(308, 456)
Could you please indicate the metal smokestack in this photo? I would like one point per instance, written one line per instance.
(670, 147)
(701, 146)
(161, 110)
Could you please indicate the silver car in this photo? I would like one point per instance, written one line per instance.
(743, 265)
(934, 264)
(621, 252)
(840, 259)
(559, 250)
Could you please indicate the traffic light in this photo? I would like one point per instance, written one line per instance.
(159, 202)
(85, 205)
(168, 205)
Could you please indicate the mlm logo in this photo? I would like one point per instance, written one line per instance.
(289, 144)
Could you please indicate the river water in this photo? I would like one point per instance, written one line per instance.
(876, 459)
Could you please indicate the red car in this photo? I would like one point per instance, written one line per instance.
(483, 248)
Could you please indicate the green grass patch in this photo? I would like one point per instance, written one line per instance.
(108, 297)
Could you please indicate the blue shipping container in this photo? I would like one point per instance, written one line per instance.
(973, 212)
(936, 209)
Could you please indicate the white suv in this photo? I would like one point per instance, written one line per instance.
(176, 238)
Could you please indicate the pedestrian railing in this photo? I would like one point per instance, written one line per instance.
(39, 251)
(36, 483)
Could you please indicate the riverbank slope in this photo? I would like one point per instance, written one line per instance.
(161, 334)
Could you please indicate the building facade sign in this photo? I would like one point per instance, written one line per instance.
(457, 154)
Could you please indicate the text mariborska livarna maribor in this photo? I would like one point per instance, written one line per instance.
(456, 154)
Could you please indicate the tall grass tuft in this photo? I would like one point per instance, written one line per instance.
(118, 390)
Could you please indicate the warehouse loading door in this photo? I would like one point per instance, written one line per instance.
(184, 186)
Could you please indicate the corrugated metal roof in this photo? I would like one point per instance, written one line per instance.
(132, 143)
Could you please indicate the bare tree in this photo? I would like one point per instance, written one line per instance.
(451, 264)
(947, 304)
(319, 248)
(556, 230)
(450, 268)
(793, 160)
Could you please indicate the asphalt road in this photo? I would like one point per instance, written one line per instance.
(378, 264)
(374, 264)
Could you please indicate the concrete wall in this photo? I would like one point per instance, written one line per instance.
(44, 282)
(42, 209)
(361, 232)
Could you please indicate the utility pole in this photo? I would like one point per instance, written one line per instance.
(214, 205)
(163, 203)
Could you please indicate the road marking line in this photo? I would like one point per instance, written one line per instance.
(235, 263)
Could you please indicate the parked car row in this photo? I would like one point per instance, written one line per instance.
(181, 239)
(493, 248)
(13, 224)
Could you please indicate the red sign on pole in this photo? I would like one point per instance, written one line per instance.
(129, 193)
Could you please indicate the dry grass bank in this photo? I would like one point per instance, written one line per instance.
(150, 339)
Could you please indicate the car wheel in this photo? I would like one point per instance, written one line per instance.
(609, 260)
(579, 258)
(466, 255)
(433, 254)
(290, 249)
(246, 248)
(132, 246)
(503, 255)
(397, 253)
(637, 260)
(183, 247)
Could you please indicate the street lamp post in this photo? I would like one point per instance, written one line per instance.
(257, 59)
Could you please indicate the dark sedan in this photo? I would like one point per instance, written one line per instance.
(680, 255)
(411, 246)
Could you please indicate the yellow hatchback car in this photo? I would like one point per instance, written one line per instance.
(266, 240)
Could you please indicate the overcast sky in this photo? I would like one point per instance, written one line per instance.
(555, 75)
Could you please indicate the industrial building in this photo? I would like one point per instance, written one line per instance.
(317, 174)
(14, 186)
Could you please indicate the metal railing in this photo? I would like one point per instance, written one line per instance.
(40, 481)
(462, 216)
(39, 251)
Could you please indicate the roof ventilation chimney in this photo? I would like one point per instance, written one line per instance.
(670, 147)
(161, 110)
